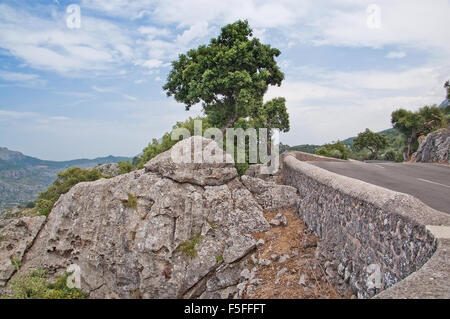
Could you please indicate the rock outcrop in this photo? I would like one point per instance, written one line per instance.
(171, 230)
(16, 236)
(110, 169)
(197, 161)
(269, 195)
(434, 148)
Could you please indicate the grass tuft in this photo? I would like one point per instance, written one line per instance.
(35, 285)
(131, 202)
(188, 247)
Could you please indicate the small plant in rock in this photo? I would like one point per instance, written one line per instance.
(188, 247)
(131, 202)
(219, 258)
(212, 224)
(3, 238)
(16, 262)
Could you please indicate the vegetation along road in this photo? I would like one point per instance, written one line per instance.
(428, 182)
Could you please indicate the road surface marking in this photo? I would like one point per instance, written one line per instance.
(424, 180)
(378, 165)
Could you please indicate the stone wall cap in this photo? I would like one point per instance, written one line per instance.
(405, 205)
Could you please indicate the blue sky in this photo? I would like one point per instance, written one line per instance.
(97, 90)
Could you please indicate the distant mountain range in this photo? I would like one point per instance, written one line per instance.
(23, 177)
(444, 104)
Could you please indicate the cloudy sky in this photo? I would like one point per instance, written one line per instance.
(69, 92)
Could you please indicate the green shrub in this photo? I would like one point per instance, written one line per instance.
(188, 247)
(336, 150)
(35, 285)
(125, 167)
(44, 206)
(219, 258)
(30, 205)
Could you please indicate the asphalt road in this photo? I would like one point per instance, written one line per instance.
(428, 182)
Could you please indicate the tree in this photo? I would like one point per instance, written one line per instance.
(336, 150)
(413, 124)
(272, 115)
(229, 76)
(447, 86)
(374, 142)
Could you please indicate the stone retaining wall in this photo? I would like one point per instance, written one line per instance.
(371, 237)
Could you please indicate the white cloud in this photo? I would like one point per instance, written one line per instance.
(197, 30)
(395, 55)
(129, 97)
(17, 77)
(387, 80)
(48, 44)
(101, 45)
(22, 79)
(415, 24)
(114, 91)
(9, 115)
(59, 118)
(153, 32)
(336, 105)
(152, 64)
(104, 89)
(15, 114)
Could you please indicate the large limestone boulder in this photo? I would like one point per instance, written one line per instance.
(269, 195)
(171, 230)
(206, 164)
(435, 147)
(109, 169)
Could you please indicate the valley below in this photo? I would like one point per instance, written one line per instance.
(23, 177)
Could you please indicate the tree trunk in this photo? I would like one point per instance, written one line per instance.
(230, 123)
(410, 141)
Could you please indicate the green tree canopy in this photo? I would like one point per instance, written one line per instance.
(413, 124)
(374, 142)
(336, 150)
(229, 77)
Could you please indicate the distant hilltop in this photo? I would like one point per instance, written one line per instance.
(445, 103)
(21, 160)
